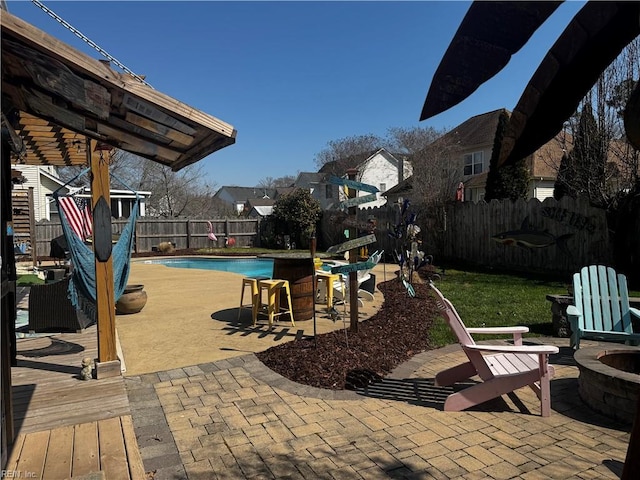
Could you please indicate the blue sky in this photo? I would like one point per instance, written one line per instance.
(292, 76)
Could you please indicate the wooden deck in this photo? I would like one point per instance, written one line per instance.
(64, 426)
(105, 449)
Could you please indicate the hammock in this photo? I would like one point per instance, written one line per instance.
(82, 287)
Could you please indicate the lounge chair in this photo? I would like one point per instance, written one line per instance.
(601, 309)
(502, 369)
(50, 309)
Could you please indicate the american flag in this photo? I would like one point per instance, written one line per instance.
(78, 213)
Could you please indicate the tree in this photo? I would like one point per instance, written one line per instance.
(603, 166)
(296, 214)
(436, 175)
(510, 181)
(345, 153)
(177, 194)
(270, 182)
(411, 140)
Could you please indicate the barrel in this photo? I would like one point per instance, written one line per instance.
(299, 272)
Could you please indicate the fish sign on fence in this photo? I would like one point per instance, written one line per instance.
(353, 267)
(353, 184)
(352, 202)
(351, 244)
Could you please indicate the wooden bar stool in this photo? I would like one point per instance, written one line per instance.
(252, 283)
(274, 289)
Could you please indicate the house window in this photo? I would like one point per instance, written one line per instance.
(383, 187)
(473, 163)
(328, 192)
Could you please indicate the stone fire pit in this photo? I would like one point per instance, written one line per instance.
(609, 380)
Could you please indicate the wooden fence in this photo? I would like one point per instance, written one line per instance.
(544, 237)
(182, 233)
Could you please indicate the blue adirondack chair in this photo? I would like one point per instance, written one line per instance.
(601, 310)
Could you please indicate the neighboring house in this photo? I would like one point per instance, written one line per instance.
(239, 196)
(383, 170)
(473, 141)
(399, 192)
(324, 192)
(45, 180)
(259, 207)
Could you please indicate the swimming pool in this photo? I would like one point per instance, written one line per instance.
(249, 267)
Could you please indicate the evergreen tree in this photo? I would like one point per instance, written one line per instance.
(564, 180)
(507, 181)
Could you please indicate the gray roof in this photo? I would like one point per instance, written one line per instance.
(242, 194)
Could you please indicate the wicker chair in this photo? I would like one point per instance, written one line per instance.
(50, 309)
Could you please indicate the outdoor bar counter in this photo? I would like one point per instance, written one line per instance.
(298, 269)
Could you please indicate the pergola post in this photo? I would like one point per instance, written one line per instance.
(108, 364)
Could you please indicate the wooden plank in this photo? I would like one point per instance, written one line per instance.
(113, 457)
(159, 129)
(352, 267)
(363, 226)
(16, 450)
(57, 466)
(352, 184)
(86, 458)
(34, 449)
(352, 202)
(136, 465)
(150, 111)
(351, 244)
(140, 145)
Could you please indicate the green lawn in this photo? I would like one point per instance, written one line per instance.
(28, 279)
(493, 299)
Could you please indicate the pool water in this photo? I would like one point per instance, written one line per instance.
(249, 267)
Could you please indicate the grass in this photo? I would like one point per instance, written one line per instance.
(28, 279)
(493, 299)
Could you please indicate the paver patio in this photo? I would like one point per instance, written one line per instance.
(229, 416)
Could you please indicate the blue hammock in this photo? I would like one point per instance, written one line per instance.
(82, 287)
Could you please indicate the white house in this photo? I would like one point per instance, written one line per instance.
(383, 170)
(45, 180)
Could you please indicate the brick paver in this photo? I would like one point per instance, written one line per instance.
(237, 419)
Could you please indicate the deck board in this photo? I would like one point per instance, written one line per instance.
(86, 455)
(34, 450)
(113, 457)
(67, 427)
(57, 465)
(47, 390)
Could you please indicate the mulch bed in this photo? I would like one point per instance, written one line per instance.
(339, 360)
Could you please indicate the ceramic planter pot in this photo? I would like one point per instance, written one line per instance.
(132, 300)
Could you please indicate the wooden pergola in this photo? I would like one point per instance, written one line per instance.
(62, 107)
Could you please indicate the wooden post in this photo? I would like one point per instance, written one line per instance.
(353, 258)
(108, 364)
(32, 229)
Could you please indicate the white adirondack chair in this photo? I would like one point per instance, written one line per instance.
(341, 288)
(601, 308)
(502, 368)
